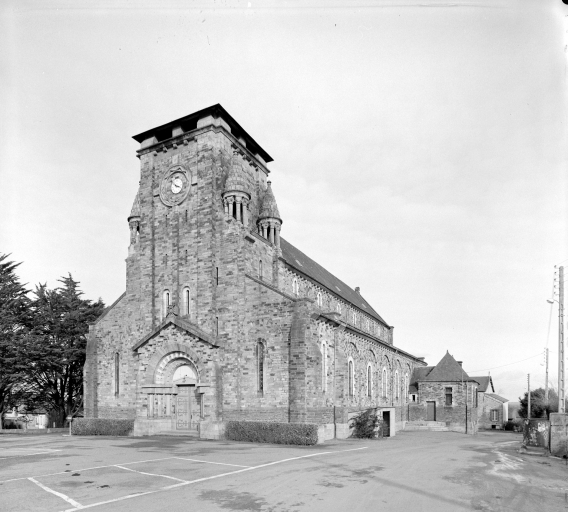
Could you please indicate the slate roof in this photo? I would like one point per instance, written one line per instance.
(496, 397)
(484, 382)
(447, 370)
(418, 374)
(304, 264)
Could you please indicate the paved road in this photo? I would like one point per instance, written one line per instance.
(418, 471)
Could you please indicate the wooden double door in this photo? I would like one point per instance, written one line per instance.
(188, 408)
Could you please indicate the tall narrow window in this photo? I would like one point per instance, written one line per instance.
(260, 269)
(339, 307)
(116, 374)
(384, 383)
(216, 326)
(369, 381)
(449, 396)
(396, 385)
(186, 301)
(295, 287)
(260, 366)
(406, 388)
(351, 379)
(217, 275)
(324, 366)
(319, 299)
(165, 303)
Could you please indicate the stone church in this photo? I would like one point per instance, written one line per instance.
(222, 318)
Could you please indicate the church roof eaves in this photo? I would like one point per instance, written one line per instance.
(497, 397)
(182, 324)
(163, 132)
(305, 265)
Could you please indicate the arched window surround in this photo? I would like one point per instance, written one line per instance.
(351, 377)
(166, 301)
(186, 301)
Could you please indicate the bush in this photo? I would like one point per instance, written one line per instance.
(367, 425)
(101, 427)
(274, 433)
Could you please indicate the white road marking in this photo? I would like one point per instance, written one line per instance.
(150, 474)
(209, 462)
(76, 504)
(84, 469)
(182, 484)
(28, 454)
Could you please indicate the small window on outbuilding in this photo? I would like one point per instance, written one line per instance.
(494, 415)
(448, 396)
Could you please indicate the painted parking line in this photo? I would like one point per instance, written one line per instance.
(85, 469)
(29, 454)
(76, 504)
(209, 462)
(150, 474)
(184, 483)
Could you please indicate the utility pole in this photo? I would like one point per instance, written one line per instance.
(546, 381)
(561, 381)
(529, 396)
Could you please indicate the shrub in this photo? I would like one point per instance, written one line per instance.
(274, 433)
(367, 425)
(101, 427)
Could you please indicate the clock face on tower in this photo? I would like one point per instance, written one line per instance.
(175, 185)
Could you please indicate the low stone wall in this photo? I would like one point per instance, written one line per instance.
(559, 434)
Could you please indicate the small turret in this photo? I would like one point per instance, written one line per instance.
(134, 220)
(236, 196)
(269, 221)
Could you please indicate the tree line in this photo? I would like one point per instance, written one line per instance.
(43, 339)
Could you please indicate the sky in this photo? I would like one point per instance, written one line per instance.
(419, 149)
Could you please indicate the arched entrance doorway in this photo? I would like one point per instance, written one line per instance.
(188, 402)
(175, 395)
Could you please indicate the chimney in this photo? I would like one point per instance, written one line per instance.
(460, 363)
(358, 290)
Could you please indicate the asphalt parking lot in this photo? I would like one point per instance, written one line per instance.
(418, 471)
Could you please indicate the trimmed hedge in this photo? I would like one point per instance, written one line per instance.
(274, 433)
(101, 427)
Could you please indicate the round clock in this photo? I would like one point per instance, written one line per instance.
(175, 185)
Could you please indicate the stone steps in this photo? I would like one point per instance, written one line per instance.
(432, 426)
(178, 433)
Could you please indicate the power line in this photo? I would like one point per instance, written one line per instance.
(508, 364)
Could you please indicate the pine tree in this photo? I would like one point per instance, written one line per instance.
(14, 318)
(53, 353)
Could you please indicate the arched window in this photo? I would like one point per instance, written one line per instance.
(295, 287)
(396, 385)
(319, 299)
(351, 378)
(339, 307)
(368, 327)
(186, 297)
(354, 318)
(384, 383)
(260, 269)
(260, 366)
(165, 303)
(116, 374)
(369, 381)
(324, 366)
